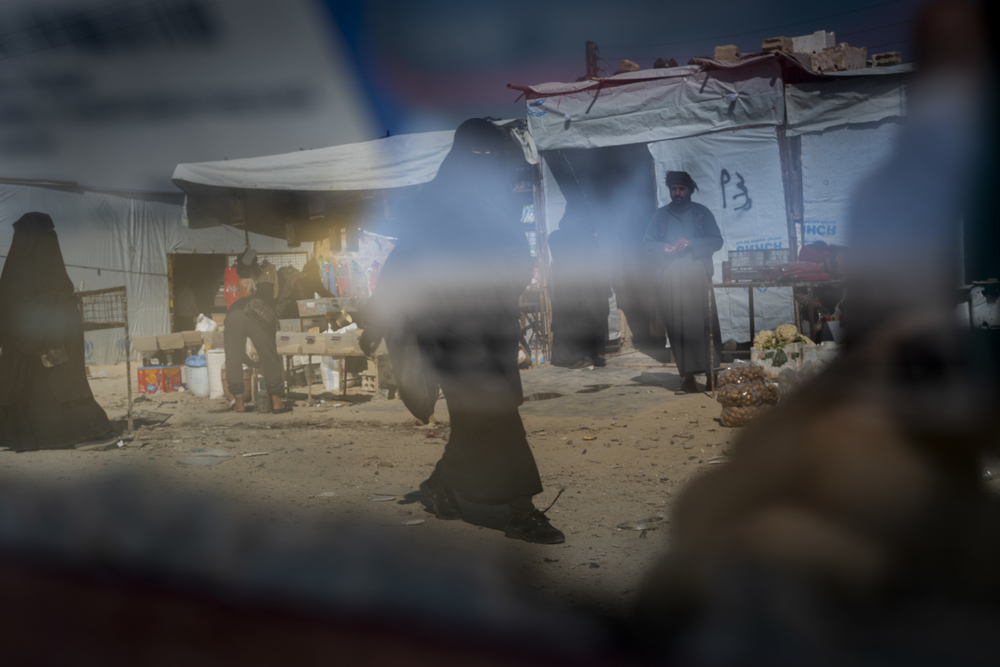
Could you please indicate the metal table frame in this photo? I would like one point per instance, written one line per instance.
(111, 298)
(809, 287)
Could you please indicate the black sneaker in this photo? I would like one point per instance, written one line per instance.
(534, 527)
(442, 499)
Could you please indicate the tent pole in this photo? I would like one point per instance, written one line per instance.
(128, 359)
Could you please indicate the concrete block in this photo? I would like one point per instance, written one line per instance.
(887, 59)
(729, 52)
(774, 44)
(840, 58)
(815, 42)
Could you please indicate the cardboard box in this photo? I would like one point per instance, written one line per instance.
(343, 344)
(213, 339)
(191, 338)
(315, 307)
(145, 344)
(314, 344)
(158, 379)
(174, 341)
(289, 342)
(302, 324)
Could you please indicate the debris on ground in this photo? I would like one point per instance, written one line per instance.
(649, 523)
(209, 458)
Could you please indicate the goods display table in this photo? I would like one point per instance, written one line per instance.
(335, 345)
(809, 288)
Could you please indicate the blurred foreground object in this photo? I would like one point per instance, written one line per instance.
(121, 572)
(853, 522)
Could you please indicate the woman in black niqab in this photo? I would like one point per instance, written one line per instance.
(45, 399)
(447, 302)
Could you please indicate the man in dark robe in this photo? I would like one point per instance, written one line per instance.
(447, 304)
(681, 239)
(45, 398)
(580, 292)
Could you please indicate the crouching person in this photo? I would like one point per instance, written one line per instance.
(254, 317)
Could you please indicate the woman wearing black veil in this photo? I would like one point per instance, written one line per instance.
(581, 291)
(45, 399)
(447, 304)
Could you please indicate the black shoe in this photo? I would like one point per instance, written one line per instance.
(586, 362)
(600, 362)
(443, 500)
(534, 527)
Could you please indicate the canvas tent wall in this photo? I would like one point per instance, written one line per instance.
(726, 124)
(845, 125)
(119, 238)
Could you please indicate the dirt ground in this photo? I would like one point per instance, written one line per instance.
(617, 439)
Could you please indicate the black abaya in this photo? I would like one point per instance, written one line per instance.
(580, 293)
(45, 398)
(448, 301)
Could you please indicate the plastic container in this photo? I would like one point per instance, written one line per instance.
(196, 372)
(215, 359)
(329, 370)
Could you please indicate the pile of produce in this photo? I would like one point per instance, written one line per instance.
(744, 393)
(777, 339)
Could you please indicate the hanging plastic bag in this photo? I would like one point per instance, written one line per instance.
(205, 324)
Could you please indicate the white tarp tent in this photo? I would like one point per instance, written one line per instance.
(846, 122)
(110, 239)
(847, 127)
(702, 119)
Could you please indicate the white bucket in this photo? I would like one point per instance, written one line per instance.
(197, 381)
(216, 361)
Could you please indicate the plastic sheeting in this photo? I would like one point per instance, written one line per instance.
(834, 163)
(681, 102)
(108, 240)
(813, 107)
(739, 179)
(382, 164)
(393, 162)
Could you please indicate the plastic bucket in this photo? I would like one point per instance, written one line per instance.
(216, 360)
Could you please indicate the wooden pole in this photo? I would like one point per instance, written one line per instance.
(592, 56)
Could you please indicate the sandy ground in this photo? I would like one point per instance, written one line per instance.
(617, 439)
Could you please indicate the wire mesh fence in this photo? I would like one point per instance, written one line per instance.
(103, 308)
